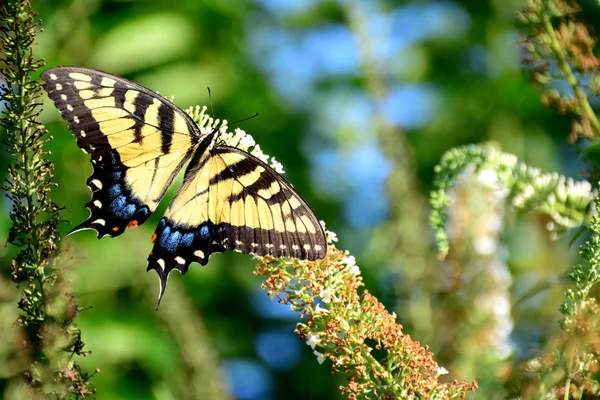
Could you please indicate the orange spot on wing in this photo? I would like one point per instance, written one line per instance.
(132, 224)
(115, 228)
(154, 238)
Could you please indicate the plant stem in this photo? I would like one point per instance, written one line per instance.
(565, 68)
(374, 364)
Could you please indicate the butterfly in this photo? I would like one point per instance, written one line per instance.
(139, 142)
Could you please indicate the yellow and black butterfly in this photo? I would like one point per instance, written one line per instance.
(138, 143)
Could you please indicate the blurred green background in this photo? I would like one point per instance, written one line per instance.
(326, 78)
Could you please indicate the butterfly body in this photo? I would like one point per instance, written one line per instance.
(139, 142)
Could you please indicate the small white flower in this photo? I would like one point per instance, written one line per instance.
(247, 141)
(585, 187)
(441, 371)
(528, 192)
(319, 309)
(550, 226)
(542, 180)
(518, 201)
(320, 357)
(277, 166)
(350, 263)
(484, 245)
(331, 236)
(258, 153)
(349, 260)
(487, 177)
(313, 339)
(561, 192)
(326, 295)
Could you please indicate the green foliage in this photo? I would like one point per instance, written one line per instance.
(50, 336)
(587, 274)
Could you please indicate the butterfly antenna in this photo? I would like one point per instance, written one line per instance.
(241, 120)
(212, 110)
(244, 119)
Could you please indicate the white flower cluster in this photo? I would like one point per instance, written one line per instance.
(491, 179)
(350, 263)
(238, 138)
(544, 190)
(550, 189)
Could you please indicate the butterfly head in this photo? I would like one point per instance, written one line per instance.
(216, 138)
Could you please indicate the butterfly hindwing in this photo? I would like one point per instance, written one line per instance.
(232, 200)
(138, 142)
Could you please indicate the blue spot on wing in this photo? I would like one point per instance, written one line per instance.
(114, 190)
(174, 240)
(204, 232)
(165, 234)
(169, 241)
(187, 239)
(129, 211)
(121, 209)
(118, 204)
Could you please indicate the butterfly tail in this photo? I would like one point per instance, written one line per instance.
(163, 268)
(86, 225)
(163, 278)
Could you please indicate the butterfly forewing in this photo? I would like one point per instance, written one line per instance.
(232, 200)
(138, 141)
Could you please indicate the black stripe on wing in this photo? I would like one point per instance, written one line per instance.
(82, 124)
(130, 133)
(166, 118)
